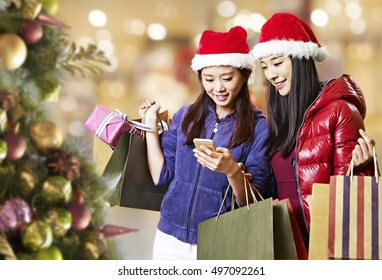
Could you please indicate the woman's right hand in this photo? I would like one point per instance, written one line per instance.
(148, 111)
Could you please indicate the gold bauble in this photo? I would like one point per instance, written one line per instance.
(46, 135)
(13, 51)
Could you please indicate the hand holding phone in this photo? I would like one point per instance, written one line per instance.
(205, 142)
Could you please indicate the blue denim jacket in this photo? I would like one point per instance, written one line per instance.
(195, 193)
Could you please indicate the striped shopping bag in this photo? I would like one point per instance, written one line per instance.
(355, 217)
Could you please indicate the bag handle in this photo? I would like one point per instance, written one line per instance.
(377, 171)
(247, 185)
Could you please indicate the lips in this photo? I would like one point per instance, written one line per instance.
(279, 85)
(221, 97)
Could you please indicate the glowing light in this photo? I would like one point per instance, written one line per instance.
(226, 8)
(104, 34)
(134, 26)
(156, 31)
(68, 103)
(353, 10)
(256, 21)
(106, 46)
(333, 7)
(358, 26)
(97, 18)
(319, 17)
(76, 128)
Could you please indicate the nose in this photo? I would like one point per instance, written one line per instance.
(218, 87)
(270, 73)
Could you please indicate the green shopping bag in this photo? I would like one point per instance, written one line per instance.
(258, 231)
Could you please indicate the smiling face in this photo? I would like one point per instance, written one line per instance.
(278, 71)
(223, 85)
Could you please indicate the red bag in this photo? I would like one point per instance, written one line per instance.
(302, 254)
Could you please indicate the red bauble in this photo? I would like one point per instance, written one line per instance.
(16, 145)
(81, 215)
(32, 32)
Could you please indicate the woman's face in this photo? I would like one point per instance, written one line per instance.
(222, 84)
(278, 71)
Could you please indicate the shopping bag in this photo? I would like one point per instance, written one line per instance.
(302, 254)
(128, 177)
(257, 231)
(319, 216)
(109, 126)
(355, 216)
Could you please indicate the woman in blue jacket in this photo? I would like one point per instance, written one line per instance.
(198, 178)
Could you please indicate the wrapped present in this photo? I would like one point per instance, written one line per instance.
(108, 126)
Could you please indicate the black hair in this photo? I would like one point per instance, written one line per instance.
(286, 113)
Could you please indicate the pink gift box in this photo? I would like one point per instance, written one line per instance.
(108, 126)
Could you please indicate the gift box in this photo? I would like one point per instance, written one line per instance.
(109, 126)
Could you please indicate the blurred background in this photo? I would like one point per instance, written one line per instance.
(150, 44)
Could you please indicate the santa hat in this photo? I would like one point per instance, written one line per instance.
(287, 34)
(223, 49)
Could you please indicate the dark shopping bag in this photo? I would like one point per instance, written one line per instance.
(258, 231)
(128, 177)
(355, 215)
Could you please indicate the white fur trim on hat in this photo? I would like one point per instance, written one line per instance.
(238, 60)
(297, 49)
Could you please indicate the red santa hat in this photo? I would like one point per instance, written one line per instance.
(287, 34)
(223, 49)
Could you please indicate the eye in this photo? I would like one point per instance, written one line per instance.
(227, 79)
(209, 80)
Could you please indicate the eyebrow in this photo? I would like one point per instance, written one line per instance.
(273, 58)
(223, 74)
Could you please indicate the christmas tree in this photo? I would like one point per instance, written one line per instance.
(51, 198)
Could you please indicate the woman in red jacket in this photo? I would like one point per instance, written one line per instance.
(313, 125)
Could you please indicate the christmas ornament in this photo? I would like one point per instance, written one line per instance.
(22, 211)
(13, 51)
(81, 215)
(63, 163)
(50, 6)
(36, 235)
(56, 190)
(8, 218)
(48, 20)
(113, 230)
(32, 31)
(3, 150)
(16, 145)
(93, 247)
(59, 220)
(51, 253)
(27, 182)
(46, 135)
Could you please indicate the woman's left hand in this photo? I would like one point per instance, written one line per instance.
(363, 151)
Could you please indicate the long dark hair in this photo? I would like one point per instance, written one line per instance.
(194, 121)
(286, 113)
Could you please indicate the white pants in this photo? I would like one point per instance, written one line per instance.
(167, 247)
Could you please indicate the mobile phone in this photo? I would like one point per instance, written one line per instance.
(209, 143)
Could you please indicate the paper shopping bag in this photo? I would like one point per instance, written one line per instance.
(128, 177)
(240, 234)
(258, 231)
(319, 214)
(355, 217)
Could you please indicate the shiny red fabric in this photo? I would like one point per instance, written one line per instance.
(329, 134)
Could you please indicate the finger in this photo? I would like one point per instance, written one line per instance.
(368, 139)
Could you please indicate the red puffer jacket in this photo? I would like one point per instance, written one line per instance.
(329, 134)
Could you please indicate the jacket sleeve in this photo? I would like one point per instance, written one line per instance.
(169, 145)
(346, 133)
(257, 160)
